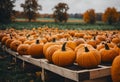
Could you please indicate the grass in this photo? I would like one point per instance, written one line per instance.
(72, 23)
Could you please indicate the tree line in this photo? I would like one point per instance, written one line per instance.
(31, 8)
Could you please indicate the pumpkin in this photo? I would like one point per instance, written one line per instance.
(4, 40)
(116, 40)
(108, 54)
(36, 50)
(115, 73)
(88, 57)
(79, 41)
(8, 42)
(82, 45)
(14, 45)
(48, 44)
(23, 49)
(2, 35)
(64, 56)
(71, 44)
(117, 48)
(50, 50)
(101, 45)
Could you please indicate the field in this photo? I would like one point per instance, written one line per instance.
(74, 33)
(71, 24)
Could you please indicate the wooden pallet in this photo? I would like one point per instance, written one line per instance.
(73, 72)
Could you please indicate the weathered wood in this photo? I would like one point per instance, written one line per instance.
(77, 74)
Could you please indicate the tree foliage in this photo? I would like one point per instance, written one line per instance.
(89, 16)
(30, 9)
(60, 12)
(110, 15)
(6, 10)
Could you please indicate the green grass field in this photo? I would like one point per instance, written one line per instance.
(71, 24)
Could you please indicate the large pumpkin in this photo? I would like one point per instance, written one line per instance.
(64, 56)
(115, 73)
(23, 49)
(108, 54)
(36, 49)
(88, 57)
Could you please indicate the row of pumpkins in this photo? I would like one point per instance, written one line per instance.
(65, 47)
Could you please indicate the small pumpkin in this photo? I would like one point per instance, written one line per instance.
(108, 54)
(36, 50)
(88, 57)
(23, 49)
(115, 73)
(64, 56)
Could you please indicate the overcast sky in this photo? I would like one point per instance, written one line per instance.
(75, 6)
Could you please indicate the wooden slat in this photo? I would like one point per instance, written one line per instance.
(100, 72)
(76, 75)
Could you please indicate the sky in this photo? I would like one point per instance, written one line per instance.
(75, 6)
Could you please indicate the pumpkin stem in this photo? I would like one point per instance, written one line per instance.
(54, 40)
(28, 36)
(63, 47)
(94, 38)
(10, 36)
(107, 47)
(37, 41)
(86, 49)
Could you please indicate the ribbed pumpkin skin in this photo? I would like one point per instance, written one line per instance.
(50, 50)
(63, 57)
(23, 49)
(36, 50)
(8, 42)
(115, 69)
(88, 59)
(108, 55)
(14, 45)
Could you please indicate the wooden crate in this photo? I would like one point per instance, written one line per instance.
(73, 72)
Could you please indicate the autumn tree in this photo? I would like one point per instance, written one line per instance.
(110, 15)
(6, 10)
(60, 12)
(89, 16)
(30, 9)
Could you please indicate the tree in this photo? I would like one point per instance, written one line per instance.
(110, 15)
(89, 16)
(60, 12)
(30, 9)
(6, 9)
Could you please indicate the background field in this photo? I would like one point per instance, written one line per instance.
(72, 23)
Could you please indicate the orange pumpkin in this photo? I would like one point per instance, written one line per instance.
(23, 49)
(14, 45)
(88, 57)
(8, 42)
(48, 44)
(115, 73)
(108, 54)
(36, 50)
(4, 39)
(50, 50)
(64, 56)
(71, 44)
